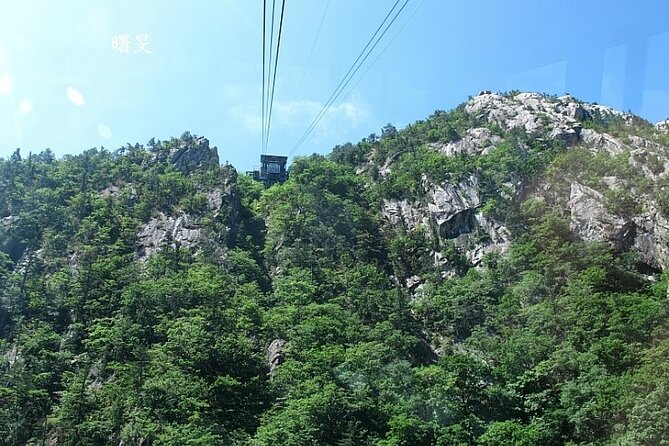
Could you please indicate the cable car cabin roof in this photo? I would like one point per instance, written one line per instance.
(273, 159)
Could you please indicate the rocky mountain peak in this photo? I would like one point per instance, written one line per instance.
(189, 153)
(532, 112)
(194, 153)
(616, 197)
(663, 126)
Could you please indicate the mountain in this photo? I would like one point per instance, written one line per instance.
(604, 169)
(491, 275)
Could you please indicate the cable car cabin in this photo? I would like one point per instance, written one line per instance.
(272, 170)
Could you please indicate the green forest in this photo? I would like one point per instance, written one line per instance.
(287, 320)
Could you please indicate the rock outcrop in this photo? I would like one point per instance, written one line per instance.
(275, 354)
(591, 221)
(535, 113)
(190, 231)
(645, 232)
(602, 142)
(164, 230)
(663, 126)
(453, 213)
(189, 154)
(477, 141)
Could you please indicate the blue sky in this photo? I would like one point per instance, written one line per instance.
(64, 86)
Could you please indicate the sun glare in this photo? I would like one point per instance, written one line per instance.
(75, 96)
(6, 84)
(25, 106)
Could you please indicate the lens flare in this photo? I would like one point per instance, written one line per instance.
(75, 96)
(6, 84)
(25, 106)
(104, 131)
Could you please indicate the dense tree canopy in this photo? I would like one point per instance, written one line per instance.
(557, 342)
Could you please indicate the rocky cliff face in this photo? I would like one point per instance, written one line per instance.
(454, 211)
(646, 232)
(193, 231)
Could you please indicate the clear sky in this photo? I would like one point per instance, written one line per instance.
(67, 83)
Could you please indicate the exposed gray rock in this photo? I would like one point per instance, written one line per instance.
(452, 207)
(215, 201)
(592, 222)
(533, 112)
(188, 230)
(663, 126)
(95, 376)
(484, 101)
(9, 221)
(413, 281)
(613, 182)
(52, 438)
(440, 260)
(569, 135)
(275, 354)
(110, 191)
(485, 236)
(608, 112)
(477, 141)
(167, 229)
(651, 239)
(602, 142)
(139, 441)
(560, 117)
(12, 355)
(400, 212)
(645, 233)
(452, 211)
(192, 154)
(28, 259)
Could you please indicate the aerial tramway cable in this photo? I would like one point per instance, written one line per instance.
(337, 89)
(267, 79)
(362, 57)
(369, 67)
(276, 63)
(313, 46)
(264, 26)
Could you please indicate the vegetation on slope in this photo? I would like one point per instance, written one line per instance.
(557, 342)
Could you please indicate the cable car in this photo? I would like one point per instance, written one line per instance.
(272, 170)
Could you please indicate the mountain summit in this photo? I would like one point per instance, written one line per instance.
(604, 169)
